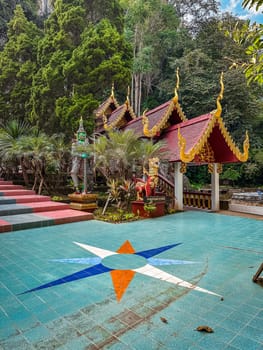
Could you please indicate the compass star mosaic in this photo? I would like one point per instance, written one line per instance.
(123, 264)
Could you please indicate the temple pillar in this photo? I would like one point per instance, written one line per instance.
(178, 187)
(215, 205)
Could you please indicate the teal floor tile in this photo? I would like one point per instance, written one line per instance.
(242, 342)
(53, 295)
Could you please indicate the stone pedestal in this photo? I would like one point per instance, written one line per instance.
(138, 209)
(83, 201)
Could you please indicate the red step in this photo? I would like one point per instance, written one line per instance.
(30, 198)
(49, 218)
(3, 182)
(46, 206)
(42, 211)
(12, 193)
(4, 187)
(66, 216)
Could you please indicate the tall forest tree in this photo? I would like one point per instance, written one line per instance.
(96, 10)
(74, 56)
(103, 57)
(194, 13)
(30, 8)
(18, 66)
(62, 35)
(152, 27)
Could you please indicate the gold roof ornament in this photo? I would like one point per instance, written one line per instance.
(107, 106)
(218, 111)
(175, 99)
(118, 114)
(200, 147)
(145, 122)
(112, 90)
(171, 106)
(186, 158)
(127, 98)
(105, 121)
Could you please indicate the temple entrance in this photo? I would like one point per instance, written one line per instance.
(189, 187)
(200, 141)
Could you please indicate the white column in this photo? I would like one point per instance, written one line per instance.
(178, 187)
(215, 188)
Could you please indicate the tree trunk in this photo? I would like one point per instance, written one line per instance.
(136, 94)
(24, 173)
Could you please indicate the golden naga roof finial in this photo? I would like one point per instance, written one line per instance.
(145, 122)
(220, 97)
(244, 157)
(175, 99)
(186, 158)
(112, 89)
(105, 120)
(128, 94)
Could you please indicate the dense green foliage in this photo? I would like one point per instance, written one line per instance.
(7, 10)
(52, 76)
(52, 73)
(18, 66)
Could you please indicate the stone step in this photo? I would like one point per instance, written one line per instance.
(3, 182)
(23, 209)
(31, 207)
(18, 192)
(10, 223)
(24, 199)
(4, 187)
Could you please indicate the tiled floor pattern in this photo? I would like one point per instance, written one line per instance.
(84, 314)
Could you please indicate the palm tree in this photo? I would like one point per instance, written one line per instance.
(38, 150)
(59, 160)
(10, 134)
(116, 155)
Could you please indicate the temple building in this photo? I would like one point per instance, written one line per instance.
(203, 140)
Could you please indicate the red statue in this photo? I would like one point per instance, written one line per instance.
(147, 188)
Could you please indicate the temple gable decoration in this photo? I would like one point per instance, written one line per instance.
(106, 108)
(205, 139)
(120, 117)
(169, 113)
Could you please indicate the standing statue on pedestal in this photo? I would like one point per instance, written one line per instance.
(78, 158)
(146, 187)
(82, 199)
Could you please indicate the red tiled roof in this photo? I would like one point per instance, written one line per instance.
(191, 130)
(157, 114)
(135, 125)
(121, 115)
(115, 114)
(222, 152)
(110, 102)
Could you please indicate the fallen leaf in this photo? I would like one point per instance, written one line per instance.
(205, 329)
(164, 320)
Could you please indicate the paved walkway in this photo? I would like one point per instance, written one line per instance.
(142, 285)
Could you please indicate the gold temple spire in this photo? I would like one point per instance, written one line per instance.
(112, 90)
(220, 97)
(145, 122)
(175, 99)
(128, 94)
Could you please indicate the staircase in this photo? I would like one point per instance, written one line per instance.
(22, 209)
(166, 187)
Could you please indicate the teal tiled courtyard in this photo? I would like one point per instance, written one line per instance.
(142, 285)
